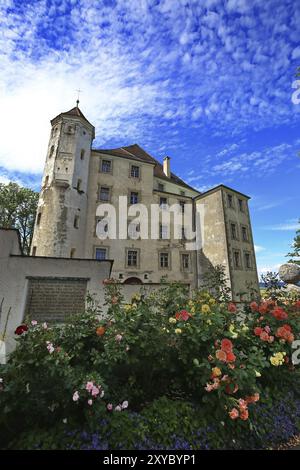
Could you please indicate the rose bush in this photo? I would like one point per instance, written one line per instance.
(195, 350)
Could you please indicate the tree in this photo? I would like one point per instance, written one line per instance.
(17, 210)
(296, 249)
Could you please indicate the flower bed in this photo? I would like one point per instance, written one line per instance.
(210, 376)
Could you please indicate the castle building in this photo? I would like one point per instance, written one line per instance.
(77, 178)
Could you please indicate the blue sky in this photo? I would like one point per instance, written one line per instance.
(207, 82)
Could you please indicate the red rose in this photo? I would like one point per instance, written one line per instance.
(254, 306)
(231, 357)
(21, 329)
(226, 345)
(258, 331)
(231, 307)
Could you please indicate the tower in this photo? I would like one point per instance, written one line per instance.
(61, 216)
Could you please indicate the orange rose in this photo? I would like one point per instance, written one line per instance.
(100, 331)
(221, 355)
(234, 414)
(244, 414)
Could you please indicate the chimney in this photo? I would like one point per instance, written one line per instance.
(166, 167)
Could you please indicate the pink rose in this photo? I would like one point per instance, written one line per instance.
(95, 391)
(90, 402)
(89, 386)
(109, 407)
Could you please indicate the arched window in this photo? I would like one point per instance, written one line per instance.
(82, 154)
(51, 151)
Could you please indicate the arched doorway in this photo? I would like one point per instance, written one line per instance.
(132, 280)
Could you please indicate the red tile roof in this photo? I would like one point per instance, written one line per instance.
(135, 152)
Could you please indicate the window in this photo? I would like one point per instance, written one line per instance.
(183, 237)
(161, 187)
(164, 260)
(34, 251)
(230, 200)
(248, 261)
(134, 197)
(38, 220)
(100, 253)
(51, 151)
(106, 166)
(185, 261)
(82, 154)
(163, 231)
(241, 205)
(104, 194)
(132, 258)
(182, 204)
(245, 234)
(72, 253)
(135, 171)
(76, 221)
(78, 187)
(233, 231)
(163, 202)
(237, 259)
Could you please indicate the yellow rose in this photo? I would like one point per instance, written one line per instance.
(216, 371)
(127, 307)
(205, 308)
(212, 301)
(178, 331)
(172, 320)
(232, 331)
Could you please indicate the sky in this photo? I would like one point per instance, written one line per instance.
(207, 82)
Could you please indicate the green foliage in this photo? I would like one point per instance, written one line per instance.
(272, 284)
(295, 254)
(216, 282)
(17, 210)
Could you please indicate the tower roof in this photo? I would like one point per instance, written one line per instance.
(74, 112)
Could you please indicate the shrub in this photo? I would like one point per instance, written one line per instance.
(185, 363)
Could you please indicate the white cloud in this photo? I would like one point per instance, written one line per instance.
(296, 53)
(258, 248)
(4, 179)
(292, 224)
(140, 64)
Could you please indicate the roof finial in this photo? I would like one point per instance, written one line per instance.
(78, 93)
